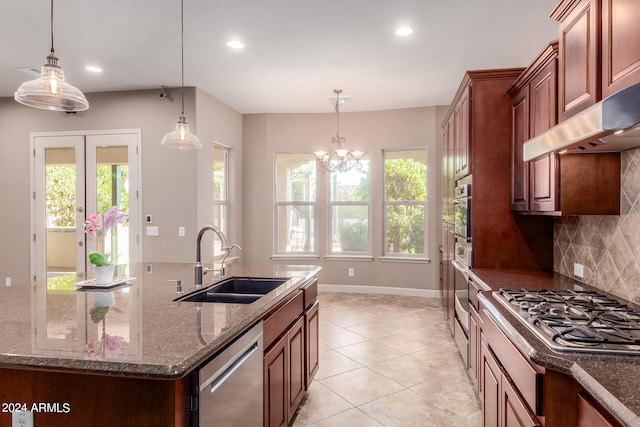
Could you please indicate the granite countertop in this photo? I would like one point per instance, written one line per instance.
(58, 326)
(610, 378)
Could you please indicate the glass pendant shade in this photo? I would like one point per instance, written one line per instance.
(50, 91)
(181, 137)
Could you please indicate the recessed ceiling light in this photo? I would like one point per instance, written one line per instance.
(404, 31)
(235, 44)
(93, 69)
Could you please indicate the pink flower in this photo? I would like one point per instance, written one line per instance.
(93, 350)
(113, 345)
(92, 224)
(112, 218)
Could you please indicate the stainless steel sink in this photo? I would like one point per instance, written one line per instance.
(235, 290)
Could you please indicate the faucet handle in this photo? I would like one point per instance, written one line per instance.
(178, 284)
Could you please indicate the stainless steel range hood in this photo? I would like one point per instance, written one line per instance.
(610, 125)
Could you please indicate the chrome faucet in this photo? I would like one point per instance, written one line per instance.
(199, 271)
(223, 267)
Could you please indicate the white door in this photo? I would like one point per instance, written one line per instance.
(74, 176)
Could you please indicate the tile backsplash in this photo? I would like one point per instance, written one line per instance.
(607, 245)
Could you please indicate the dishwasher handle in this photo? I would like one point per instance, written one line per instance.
(216, 383)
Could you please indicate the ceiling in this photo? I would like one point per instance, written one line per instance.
(297, 51)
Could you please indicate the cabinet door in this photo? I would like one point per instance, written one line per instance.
(589, 415)
(620, 41)
(474, 345)
(520, 175)
(543, 181)
(461, 136)
(312, 338)
(490, 388)
(514, 411)
(276, 373)
(579, 85)
(296, 376)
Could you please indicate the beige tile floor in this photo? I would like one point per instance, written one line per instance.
(387, 361)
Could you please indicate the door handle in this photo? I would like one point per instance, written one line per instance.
(80, 209)
(80, 243)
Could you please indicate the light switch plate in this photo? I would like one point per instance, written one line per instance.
(578, 269)
(152, 230)
(180, 231)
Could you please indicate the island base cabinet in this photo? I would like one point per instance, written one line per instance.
(284, 376)
(79, 400)
(312, 338)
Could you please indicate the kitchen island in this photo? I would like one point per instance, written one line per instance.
(122, 355)
(609, 379)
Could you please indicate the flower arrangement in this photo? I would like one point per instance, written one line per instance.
(95, 223)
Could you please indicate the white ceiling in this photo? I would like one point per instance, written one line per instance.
(297, 51)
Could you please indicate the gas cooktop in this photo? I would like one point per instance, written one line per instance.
(581, 321)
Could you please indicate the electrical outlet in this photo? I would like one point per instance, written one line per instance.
(7, 281)
(22, 419)
(180, 231)
(149, 219)
(352, 272)
(578, 269)
(149, 268)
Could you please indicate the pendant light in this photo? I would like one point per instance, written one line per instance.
(181, 138)
(50, 91)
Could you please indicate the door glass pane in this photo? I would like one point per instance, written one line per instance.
(60, 215)
(112, 173)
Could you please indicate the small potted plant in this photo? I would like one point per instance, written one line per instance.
(95, 224)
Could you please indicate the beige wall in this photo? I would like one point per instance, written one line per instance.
(172, 188)
(369, 131)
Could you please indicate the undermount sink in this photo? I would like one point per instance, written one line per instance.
(235, 290)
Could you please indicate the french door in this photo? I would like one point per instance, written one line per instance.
(77, 174)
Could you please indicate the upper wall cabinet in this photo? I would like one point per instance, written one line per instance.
(598, 52)
(461, 140)
(620, 45)
(534, 99)
(579, 59)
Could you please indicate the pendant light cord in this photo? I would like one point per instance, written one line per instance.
(181, 48)
(51, 26)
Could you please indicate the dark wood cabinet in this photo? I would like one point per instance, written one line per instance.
(590, 414)
(534, 99)
(312, 342)
(292, 350)
(620, 41)
(474, 347)
(579, 55)
(461, 138)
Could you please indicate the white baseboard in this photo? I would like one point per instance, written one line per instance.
(385, 290)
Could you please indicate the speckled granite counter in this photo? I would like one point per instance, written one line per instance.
(612, 379)
(147, 333)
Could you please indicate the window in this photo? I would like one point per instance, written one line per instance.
(295, 204)
(405, 202)
(220, 187)
(349, 202)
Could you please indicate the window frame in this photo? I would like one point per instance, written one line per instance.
(395, 256)
(224, 203)
(331, 254)
(310, 254)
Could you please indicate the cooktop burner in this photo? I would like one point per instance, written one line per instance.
(576, 320)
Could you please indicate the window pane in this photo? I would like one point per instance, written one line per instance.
(351, 186)
(296, 225)
(220, 216)
(295, 177)
(350, 228)
(405, 178)
(405, 229)
(219, 173)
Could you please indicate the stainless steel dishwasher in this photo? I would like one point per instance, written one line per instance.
(231, 384)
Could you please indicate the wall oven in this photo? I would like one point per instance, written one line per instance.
(462, 211)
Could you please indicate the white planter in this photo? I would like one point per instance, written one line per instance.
(104, 274)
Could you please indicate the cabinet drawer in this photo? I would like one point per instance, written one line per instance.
(278, 322)
(526, 377)
(310, 292)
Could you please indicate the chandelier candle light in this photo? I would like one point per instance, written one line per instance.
(50, 91)
(340, 159)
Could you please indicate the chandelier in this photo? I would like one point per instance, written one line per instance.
(340, 159)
